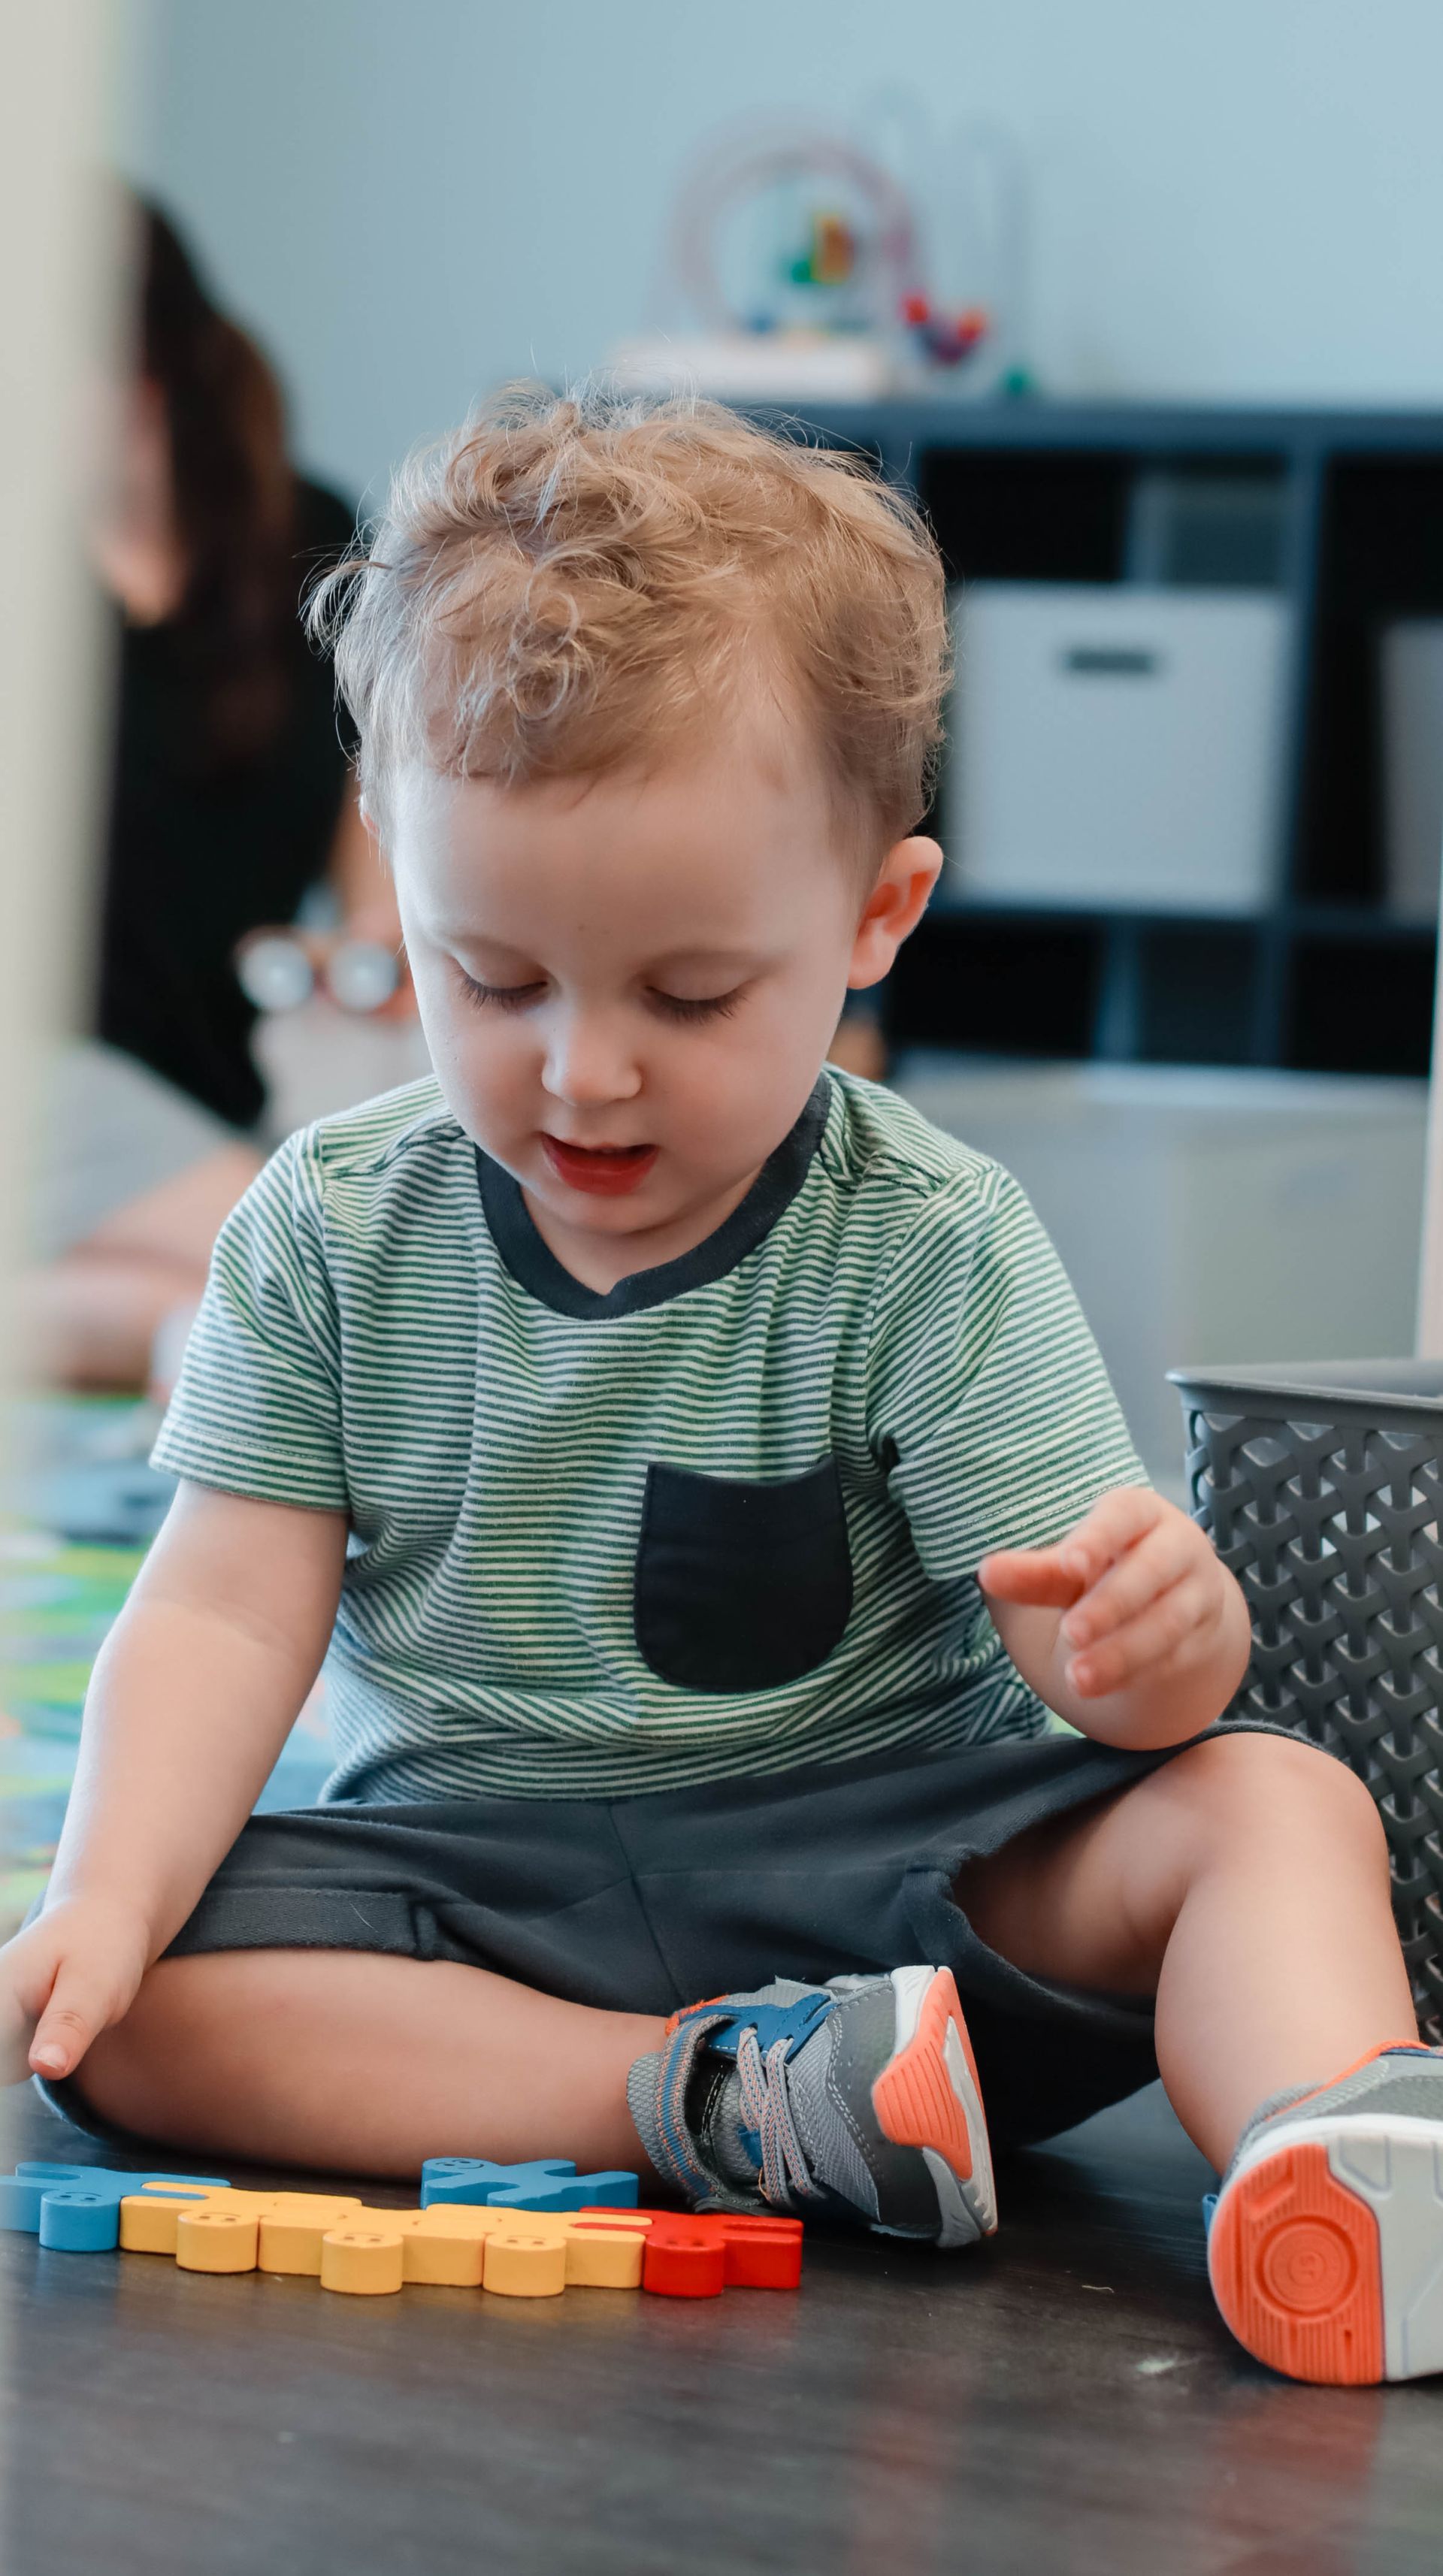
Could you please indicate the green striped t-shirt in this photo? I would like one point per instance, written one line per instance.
(725, 1519)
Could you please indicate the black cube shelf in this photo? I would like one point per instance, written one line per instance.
(1342, 514)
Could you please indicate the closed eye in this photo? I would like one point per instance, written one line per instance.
(712, 1006)
(499, 997)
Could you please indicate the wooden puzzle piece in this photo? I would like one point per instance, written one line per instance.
(548, 2183)
(291, 2223)
(76, 2208)
(293, 2230)
(444, 2246)
(525, 2260)
(517, 2254)
(601, 2255)
(213, 2238)
(696, 2254)
(362, 2261)
(506, 2242)
(762, 2253)
(513, 2253)
(684, 2259)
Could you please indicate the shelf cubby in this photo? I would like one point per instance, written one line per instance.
(1341, 514)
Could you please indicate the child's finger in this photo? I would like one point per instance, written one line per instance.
(1144, 1571)
(79, 2007)
(1051, 1577)
(1145, 1643)
(27, 1974)
(1113, 1525)
(15, 2028)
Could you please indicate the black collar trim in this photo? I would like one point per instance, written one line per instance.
(535, 1266)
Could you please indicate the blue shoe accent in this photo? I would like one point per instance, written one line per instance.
(793, 2022)
(1209, 2211)
(720, 2033)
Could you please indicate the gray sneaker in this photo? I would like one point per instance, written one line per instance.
(857, 2100)
(1326, 2244)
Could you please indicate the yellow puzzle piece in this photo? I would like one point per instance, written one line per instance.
(363, 2252)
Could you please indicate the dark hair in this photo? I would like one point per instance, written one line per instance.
(235, 503)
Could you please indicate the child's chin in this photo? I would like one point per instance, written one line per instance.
(599, 1211)
(586, 1214)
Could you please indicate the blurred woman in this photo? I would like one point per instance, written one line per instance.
(230, 798)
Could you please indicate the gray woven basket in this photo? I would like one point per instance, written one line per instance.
(1322, 1488)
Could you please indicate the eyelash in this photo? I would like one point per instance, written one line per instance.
(673, 1006)
(501, 997)
(716, 1006)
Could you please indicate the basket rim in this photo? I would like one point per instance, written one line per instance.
(1375, 1390)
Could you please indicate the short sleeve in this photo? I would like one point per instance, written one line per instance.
(987, 1393)
(257, 1407)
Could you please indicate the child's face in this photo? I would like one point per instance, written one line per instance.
(628, 984)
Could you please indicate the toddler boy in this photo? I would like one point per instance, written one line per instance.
(705, 1484)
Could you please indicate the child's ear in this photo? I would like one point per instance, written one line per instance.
(893, 908)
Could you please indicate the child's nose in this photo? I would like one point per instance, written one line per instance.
(589, 1064)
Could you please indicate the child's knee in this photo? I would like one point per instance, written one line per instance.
(1279, 1787)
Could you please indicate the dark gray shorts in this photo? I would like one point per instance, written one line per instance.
(642, 1904)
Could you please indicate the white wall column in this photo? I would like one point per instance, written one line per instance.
(57, 62)
(54, 257)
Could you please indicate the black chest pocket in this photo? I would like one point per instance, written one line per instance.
(741, 1587)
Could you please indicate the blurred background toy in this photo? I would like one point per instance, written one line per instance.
(803, 263)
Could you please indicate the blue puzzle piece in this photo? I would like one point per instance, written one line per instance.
(79, 2222)
(76, 2208)
(550, 2183)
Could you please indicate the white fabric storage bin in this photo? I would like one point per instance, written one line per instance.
(1221, 1210)
(1116, 747)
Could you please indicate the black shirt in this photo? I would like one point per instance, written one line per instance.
(193, 861)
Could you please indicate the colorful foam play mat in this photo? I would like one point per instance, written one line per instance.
(78, 1509)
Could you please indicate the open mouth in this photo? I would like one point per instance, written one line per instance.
(606, 1170)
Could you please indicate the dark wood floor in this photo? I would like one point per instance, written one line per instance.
(1065, 2401)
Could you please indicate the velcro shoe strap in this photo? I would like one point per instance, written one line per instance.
(792, 2022)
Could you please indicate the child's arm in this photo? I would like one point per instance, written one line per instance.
(194, 1692)
(1129, 1627)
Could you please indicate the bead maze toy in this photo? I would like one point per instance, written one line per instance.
(512, 2230)
(804, 263)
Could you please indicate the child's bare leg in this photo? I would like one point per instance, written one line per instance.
(355, 2062)
(1246, 1885)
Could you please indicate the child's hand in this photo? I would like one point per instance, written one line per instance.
(1146, 1604)
(66, 1979)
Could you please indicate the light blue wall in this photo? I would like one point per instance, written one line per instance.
(412, 199)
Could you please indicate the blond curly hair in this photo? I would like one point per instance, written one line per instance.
(569, 585)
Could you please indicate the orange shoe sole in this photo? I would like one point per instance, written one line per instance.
(1296, 2267)
(928, 2097)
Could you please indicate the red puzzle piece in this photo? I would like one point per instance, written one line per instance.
(696, 2254)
